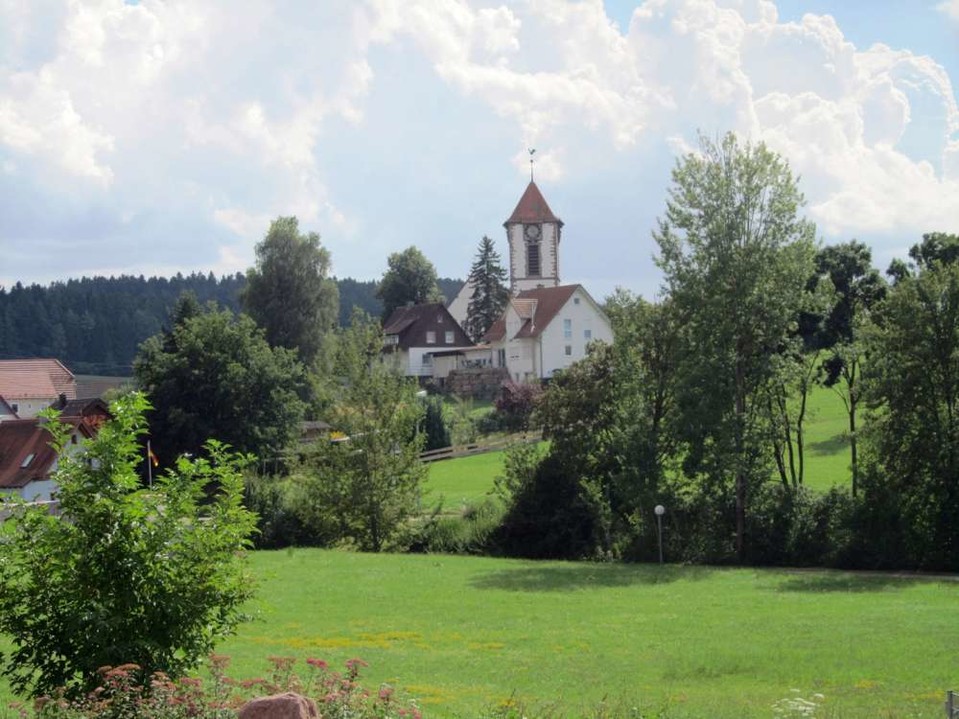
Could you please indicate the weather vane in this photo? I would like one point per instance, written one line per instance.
(532, 151)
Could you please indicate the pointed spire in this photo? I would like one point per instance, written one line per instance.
(532, 208)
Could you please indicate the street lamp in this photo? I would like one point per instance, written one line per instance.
(660, 511)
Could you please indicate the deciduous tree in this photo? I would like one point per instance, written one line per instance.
(365, 488)
(215, 375)
(152, 576)
(288, 293)
(409, 278)
(736, 254)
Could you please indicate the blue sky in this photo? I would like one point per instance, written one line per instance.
(158, 137)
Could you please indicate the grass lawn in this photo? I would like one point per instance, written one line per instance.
(464, 633)
(827, 448)
(461, 481)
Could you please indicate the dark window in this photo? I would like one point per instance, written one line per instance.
(532, 259)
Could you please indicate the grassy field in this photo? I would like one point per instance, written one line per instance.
(468, 480)
(463, 634)
(462, 481)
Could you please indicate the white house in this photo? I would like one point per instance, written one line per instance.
(546, 325)
(30, 385)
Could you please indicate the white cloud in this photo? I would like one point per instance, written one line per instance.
(168, 133)
(950, 8)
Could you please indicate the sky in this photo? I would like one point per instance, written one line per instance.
(160, 136)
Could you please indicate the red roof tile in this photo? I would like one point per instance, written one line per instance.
(532, 208)
(549, 301)
(20, 379)
(20, 438)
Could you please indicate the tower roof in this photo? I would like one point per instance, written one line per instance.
(532, 208)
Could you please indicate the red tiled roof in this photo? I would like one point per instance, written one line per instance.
(19, 438)
(532, 208)
(20, 379)
(537, 307)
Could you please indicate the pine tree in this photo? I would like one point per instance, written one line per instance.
(490, 293)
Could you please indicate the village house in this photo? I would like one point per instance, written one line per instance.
(30, 385)
(425, 340)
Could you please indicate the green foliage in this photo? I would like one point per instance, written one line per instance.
(520, 461)
(735, 254)
(913, 389)
(364, 489)
(409, 278)
(289, 293)
(515, 404)
(435, 426)
(214, 375)
(490, 292)
(153, 575)
(472, 531)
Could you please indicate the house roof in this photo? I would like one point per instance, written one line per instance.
(82, 408)
(410, 325)
(21, 379)
(536, 307)
(21, 438)
(532, 208)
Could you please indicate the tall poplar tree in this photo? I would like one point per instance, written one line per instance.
(289, 293)
(736, 254)
(488, 278)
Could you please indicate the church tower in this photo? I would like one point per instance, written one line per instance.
(533, 232)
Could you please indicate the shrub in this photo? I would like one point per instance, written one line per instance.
(469, 533)
(120, 695)
(515, 404)
(149, 575)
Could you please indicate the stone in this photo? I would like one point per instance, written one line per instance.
(279, 706)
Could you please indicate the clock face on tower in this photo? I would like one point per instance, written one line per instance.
(532, 232)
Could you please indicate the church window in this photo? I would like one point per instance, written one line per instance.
(430, 337)
(568, 329)
(533, 259)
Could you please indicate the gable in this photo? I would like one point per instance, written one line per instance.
(415, 326)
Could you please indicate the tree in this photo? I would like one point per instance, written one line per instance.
(409, 278)
(912, 381)
(214, 375)
(490, 294)
(152, 576)
(736, 255)
(365, 488)
(858, 290)
(289, 293)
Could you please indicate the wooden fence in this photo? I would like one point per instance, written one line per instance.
(464, 450)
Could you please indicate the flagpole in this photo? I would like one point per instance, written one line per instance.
(149, 465)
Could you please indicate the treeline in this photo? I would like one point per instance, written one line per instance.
(94, 325)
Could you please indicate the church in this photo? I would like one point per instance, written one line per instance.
(546, 325)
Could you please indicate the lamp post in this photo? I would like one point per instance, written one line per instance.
(660, 511)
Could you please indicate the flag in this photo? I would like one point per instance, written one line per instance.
(152, 456)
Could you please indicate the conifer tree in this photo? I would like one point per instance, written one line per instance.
(488, 278)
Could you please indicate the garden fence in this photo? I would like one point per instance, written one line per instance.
(952, 705)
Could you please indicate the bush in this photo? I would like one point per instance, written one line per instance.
(149, 575)
(471, 532)
(120, 695)
(515, 404)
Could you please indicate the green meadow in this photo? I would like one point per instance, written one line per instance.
(463, 634)
(467, 480)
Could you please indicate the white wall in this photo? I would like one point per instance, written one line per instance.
(548, 254)
(583, 316)
(30, 407)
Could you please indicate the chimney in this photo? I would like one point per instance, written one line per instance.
(62, 401)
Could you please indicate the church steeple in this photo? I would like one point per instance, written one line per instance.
(533, 232)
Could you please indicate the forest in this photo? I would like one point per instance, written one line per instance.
(94, 325)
